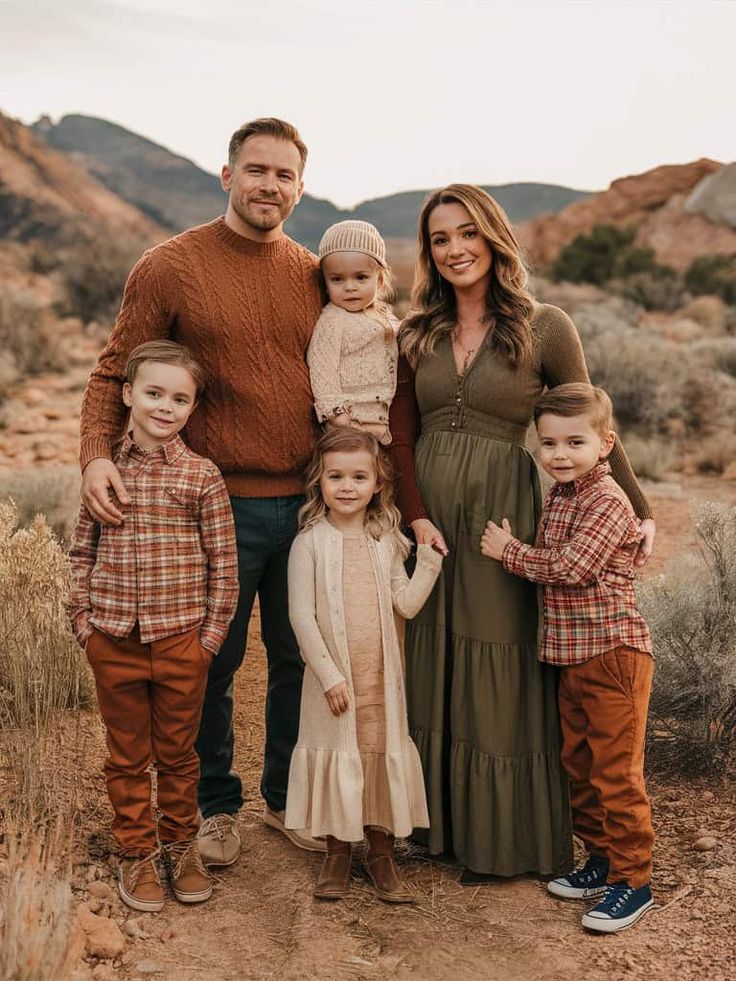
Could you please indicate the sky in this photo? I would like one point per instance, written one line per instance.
(393, 95)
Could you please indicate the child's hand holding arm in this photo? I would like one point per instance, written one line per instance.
(410, 595)
(495, 539)
(338, 698)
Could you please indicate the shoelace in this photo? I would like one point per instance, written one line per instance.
(184, 851)
(218, 824)
(144, 870)
(615, 897)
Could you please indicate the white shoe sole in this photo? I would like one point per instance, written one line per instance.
(559, 889)
(306, 844)
(141, 905)
(193, 897)
(602, 924)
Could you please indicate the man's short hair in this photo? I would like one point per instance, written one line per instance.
(577, 399)
(165, 352)
(267, 126)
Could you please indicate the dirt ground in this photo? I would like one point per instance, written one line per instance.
(263, 923)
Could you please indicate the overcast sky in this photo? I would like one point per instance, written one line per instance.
(392, 95)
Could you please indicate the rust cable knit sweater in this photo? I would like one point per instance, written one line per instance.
(246, 311)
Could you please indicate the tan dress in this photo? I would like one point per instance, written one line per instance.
(363, 629)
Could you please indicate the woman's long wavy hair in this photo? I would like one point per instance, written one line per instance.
(509, 304)
(382, 517)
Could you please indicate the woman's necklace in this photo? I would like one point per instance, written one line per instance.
(469, 352)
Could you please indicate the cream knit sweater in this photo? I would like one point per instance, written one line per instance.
(352, 368)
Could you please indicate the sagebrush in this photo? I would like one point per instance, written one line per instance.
(691, 611)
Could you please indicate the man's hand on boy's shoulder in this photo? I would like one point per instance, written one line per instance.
(495, 539)
(99, 478)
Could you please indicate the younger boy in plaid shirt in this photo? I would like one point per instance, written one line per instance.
(584, 556)
(151, 603)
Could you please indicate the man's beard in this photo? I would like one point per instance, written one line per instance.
(262, 221)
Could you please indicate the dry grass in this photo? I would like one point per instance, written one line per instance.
(50, 491)
(42, 670)
(28, 337)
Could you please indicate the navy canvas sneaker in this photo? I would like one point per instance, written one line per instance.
(620, 907)
(585, 883)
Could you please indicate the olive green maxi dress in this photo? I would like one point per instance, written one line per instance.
(482, 708)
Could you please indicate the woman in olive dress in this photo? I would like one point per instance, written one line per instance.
(477, 352)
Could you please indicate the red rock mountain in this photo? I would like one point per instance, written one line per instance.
(43, 193)
(654, 203)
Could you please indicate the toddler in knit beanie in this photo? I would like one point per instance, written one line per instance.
(353, 354)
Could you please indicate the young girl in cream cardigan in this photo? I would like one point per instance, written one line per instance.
(355, 771)
(353, 353)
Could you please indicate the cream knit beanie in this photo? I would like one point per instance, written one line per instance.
(353, 236)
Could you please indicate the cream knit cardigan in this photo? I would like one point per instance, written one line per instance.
(325, 791)
(352, 367)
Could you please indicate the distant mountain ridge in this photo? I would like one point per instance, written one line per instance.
(176, 194)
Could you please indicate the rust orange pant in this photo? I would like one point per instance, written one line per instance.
(603, 713)
(150, 698)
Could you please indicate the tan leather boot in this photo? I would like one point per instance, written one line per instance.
(380, 865)
(334, 876)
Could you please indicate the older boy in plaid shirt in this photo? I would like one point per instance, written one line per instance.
(151, 603)
(584, 557)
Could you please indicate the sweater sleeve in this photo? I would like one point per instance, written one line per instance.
(404, 424)
(303, 614)
(323, 359)
(143, 317)
(410, 595)
(563, 361)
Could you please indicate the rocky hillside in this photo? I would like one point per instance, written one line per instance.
(176, 193)
(44, 194)
(680, 211)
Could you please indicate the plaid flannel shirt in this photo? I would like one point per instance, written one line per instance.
(172, 565)
(584, 558)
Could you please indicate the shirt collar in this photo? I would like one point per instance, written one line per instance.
(171, 450)
(579, 486)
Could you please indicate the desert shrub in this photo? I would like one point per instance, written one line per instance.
(50, 491)
(28, 338)
(709, 312)
(42, 668)
(656, 289)
(718, 353)
(691, 612)
(714, 274)
(714, 453)
(593, 258)
(652, 458)
(642, 373)
(93, 275)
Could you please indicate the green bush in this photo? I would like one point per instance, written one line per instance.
(594, 258)
(715, 274)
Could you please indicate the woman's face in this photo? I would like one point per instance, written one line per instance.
(461, 254)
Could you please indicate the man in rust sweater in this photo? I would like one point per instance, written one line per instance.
(243, 297)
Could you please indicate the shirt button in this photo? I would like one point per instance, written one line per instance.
(452, 425)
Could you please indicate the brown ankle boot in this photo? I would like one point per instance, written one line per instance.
(380, 865)
(334, 876)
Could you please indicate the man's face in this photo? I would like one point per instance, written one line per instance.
(265, 185)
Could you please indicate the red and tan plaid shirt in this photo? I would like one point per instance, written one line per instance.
(584, 557)
(172, 565)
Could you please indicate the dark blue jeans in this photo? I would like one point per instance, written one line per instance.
(265, 528)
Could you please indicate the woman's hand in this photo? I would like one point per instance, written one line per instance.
(649, 530)
(338, 698)
(495, 539)
(427, 534)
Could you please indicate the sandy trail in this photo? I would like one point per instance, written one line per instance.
(262, 921)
